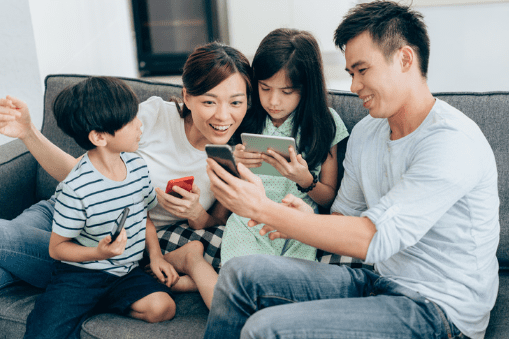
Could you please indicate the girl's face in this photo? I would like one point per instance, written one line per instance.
(278, 97)
(217, 113)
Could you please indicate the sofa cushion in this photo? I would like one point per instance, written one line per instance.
(17, 301)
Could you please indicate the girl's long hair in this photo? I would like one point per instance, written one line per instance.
(298, 54)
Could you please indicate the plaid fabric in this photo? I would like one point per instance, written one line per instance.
(179, 234)
(336, 259)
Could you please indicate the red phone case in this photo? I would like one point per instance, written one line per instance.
(185, 182)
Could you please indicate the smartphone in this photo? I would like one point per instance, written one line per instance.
(119, 224)
(260, 143)
(185, 182)
(223, 155)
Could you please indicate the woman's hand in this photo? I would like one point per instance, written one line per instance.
(188, 207)
(296, 169)
(249, 159)
(15, 121)
(290, 201)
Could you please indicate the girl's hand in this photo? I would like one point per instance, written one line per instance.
(164, 271)
(107, 249)
(187, 207)
(15, 119)
(296, 169)
(249, 159)
(290, 201)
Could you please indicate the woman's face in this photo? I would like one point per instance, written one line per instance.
(217, 114)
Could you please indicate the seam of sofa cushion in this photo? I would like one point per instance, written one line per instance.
(16, 320)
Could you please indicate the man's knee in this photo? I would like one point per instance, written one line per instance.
(246, 267)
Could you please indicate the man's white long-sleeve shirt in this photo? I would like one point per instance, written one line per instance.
(433, 198)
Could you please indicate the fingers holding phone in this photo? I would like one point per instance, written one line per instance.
(249, 159)
(181, 198)
(108, 249)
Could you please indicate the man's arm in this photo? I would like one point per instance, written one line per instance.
(337, 234)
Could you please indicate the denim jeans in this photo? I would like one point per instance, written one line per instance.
(264, 296)
(24, 243)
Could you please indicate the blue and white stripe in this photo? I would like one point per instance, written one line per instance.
(88, 203)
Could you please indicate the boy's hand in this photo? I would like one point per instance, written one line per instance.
(15, 119)
(164, 271)
(107, 249)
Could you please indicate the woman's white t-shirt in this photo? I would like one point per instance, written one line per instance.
(169, 155)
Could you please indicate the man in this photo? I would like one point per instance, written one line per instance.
(418, 199)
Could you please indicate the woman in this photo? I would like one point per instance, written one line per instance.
(216, 81)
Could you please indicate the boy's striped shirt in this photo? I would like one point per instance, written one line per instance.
(88, 203)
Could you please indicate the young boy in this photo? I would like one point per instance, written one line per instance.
(92, 273)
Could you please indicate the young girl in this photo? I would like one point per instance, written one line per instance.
(289, 99)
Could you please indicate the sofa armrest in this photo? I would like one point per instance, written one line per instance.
(17, 179)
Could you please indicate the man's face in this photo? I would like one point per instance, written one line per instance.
(375, 80)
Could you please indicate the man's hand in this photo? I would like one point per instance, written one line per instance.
(243, 197)
(290, 201)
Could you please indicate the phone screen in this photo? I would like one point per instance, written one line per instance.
(223, 155)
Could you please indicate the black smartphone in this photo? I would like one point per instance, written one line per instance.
(223, 155)
(119, 224)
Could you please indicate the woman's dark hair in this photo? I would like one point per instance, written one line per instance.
(102, 104)
(208, 66)
(296, 53)
(391, 27)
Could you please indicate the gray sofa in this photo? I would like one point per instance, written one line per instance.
(23, 182)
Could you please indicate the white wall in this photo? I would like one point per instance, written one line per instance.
(19, 73)
(62, 36)
(469, 49)
(84, 36)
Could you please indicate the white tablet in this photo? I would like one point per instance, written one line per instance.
(260, 143)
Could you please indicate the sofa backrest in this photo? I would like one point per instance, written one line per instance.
(489, 110)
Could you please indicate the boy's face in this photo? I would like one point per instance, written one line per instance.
(375, 80)
(127, 138)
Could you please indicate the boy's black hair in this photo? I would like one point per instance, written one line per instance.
(102, 104)
(298, 54)
(390, 25)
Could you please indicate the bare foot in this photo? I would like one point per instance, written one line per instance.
(185, 257)
(184, 284)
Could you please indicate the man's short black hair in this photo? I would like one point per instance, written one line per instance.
(102, 104)
(390, 25)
